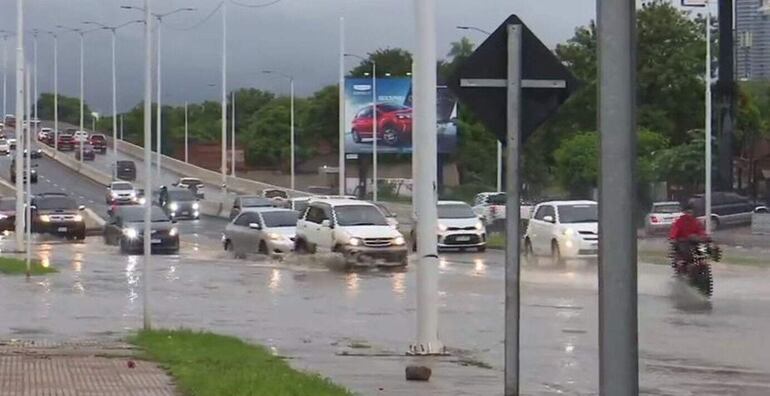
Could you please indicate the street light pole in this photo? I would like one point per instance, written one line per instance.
(342, 173)
(35, 118)
(425, 166)
(224, 98)
(707, 121)
(186, 135)
(232, 134)
(19, 226)
(82, 95)
(55, 93)
(147, 162)
(5, 75)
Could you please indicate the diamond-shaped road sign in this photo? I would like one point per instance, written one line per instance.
(480, 81)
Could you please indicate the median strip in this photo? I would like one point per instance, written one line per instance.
(207, 364)
(14, 266)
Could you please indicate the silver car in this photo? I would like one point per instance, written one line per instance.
(662, 215)
(261, 230)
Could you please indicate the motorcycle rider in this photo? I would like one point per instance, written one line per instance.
(686, 231)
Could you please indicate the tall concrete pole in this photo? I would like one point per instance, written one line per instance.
(82, 93)
(55, 94)
(27, 166)
(5, 76)
(223, 164)
(232, 134)
(707, 121)
(291, 131)
(618, 340)
(425, 167)
(159, 106)
(726, 94)
(147, 163)
(19, 226)
(114, 107)
(342, 189)
(375, 131)
(186, 135)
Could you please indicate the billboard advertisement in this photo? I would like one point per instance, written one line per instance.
(393, 117)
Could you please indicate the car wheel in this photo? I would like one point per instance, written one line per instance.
(356, 136)
(529, 253)
(80, 236)
(414, 242)
(300, 246)
(556, 253)
(390, 136)
(263, 248)
(482, 248)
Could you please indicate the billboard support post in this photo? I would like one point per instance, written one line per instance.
(342, 173)
(374, 131)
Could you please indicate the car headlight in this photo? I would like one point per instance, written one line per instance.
(45, 218)
(196, 206)
(114, 194)
(442, 227)
(132, 194)
(131, 233)
(568, 232)
(399, 241)
(273, 236)
(78, 218)
(142, 200)
(3, 217)
(354, 241)
(173, 206)
(479, 226)
(173, 232)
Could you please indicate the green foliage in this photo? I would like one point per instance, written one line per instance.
(206, 364)
(69, 109)
(396, 61)
(684, 165)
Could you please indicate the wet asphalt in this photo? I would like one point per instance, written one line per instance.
(311, 309)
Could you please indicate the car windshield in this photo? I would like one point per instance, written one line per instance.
(276, 194)
(7, 204)
(359, 215)
(135, 214)
(455, 211)
(666, 208)
(255, 202)
(98, 137)
(181, 195)
(49, 203)
(122, 186)
(578, 213)
(283, 218)
(496, 199)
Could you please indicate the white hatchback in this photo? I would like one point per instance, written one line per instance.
(563, 230)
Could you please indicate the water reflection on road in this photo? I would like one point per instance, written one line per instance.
(305, 308)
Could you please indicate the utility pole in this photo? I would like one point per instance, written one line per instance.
(147, 163)
(342, 126)
(223, 164)
(618, 327)
(19, 226)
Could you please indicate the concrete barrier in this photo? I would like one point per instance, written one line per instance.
(240, 185)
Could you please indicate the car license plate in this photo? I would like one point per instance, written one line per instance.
(155, 241)
(62, 229)
(185, 213)
(463, 238)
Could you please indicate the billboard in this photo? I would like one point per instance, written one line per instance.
(394, 117)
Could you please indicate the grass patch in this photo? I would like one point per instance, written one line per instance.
(496, 241)
(206, 364)
(14, 266)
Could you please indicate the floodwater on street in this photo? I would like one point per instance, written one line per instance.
(328, 320)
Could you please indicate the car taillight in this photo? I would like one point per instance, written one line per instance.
(492, 210)
(654, 219)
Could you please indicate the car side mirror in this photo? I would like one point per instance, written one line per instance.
(326, 223)
(173, 221)
(549, 219)
(81, 207)
(33, 207)
(255, 226)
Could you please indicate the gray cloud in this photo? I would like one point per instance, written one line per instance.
(299, 37)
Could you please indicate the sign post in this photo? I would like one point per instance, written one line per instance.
(515, 97)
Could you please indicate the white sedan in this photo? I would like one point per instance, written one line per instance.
(261, 230)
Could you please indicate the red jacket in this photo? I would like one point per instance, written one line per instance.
(686, 226)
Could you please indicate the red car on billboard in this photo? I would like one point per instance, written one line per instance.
(394, 124)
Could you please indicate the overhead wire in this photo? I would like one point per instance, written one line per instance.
(269, 3)
(197, 24)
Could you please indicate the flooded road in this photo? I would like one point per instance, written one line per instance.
(356, 326)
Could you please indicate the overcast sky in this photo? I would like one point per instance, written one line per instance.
(298, 37)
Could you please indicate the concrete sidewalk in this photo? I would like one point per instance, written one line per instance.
(32, 368)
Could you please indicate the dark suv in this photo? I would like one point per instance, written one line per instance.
(126, 170)
(727, 208)
(126, 229)
(32, 171)
(179, 203)
(58, 214)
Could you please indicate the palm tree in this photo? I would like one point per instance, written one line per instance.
(461, 49)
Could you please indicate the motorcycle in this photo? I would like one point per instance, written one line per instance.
(695, 267)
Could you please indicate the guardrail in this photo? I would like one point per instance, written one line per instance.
(241, 185)
(209, 208)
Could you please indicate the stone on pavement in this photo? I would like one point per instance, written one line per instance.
(418, 373)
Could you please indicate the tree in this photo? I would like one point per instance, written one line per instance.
(395, 61)
(320, 117)
(69, 109)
